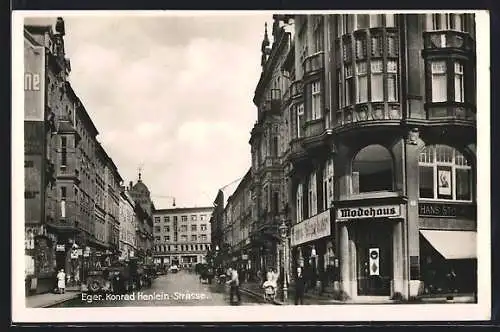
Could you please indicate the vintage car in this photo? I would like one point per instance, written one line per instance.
(207, 273)
(97, 281)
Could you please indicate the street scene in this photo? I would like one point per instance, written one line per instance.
(250, 160)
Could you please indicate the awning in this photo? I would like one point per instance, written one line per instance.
(453, 244)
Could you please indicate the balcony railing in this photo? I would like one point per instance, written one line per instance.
(448, 39)
(313, 63)
(451, 111)
(314, 127)
(296, 89)
(368, 112)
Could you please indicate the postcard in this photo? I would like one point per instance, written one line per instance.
(243, 166)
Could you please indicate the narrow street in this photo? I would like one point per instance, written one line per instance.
(174, 289)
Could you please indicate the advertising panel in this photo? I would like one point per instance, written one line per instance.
(311, 229)
(34, 82)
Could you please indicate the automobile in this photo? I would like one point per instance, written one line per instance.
(174, 269)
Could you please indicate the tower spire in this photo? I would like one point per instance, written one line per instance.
(265, 44)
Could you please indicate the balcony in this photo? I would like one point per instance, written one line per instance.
(451, 111)
(455, 41)
(314, 127)
(368, 114)
(296, 89)
(297, 151)
(313, 63)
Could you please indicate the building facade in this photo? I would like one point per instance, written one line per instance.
(237, 224)
(127, 220)
(71, 184)
(378, 122)
(267, 148)
(144, 209)
(182, 236)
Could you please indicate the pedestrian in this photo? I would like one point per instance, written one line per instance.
(234, 284)
(61, 281)
(300, 285)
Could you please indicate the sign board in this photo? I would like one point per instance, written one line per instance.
(60, 247)
(86, 253)
(34, 82)
(374, 261)
(366, 212)
(79, 252)
(244, 256)
(74, 254)
(447, 210)
(311, 229)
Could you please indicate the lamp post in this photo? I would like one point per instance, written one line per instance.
(283, 228)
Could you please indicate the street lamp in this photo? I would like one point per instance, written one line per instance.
(283, 228)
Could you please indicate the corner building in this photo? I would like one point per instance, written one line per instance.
(378, 118)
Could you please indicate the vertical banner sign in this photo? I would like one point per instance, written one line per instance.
(374, 261)
(34, 82)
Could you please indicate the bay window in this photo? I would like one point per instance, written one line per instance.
(445, 174)
(459, 82)
(390, 20)
(362, 82)
(439, 86)
(439, 81)
(377, 80)
(436, 22)
(392, 80)
(312, 195)
(349, 85)
(376, 20)
(299, 201)
(316, 100)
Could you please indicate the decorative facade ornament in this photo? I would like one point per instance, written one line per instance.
(413, 136)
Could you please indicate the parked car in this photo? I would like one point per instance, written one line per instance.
(174, 269)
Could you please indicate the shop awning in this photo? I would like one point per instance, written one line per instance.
(452, 244)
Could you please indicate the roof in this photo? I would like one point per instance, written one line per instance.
(228, 190)
(184, 210)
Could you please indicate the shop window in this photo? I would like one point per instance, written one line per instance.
(372, 170)
(445, 174)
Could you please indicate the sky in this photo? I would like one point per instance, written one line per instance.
(170, 94)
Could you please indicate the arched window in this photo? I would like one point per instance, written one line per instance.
(445, 173)
(299, 202)
(372, 170)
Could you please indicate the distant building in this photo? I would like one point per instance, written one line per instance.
(182, 236)
(144, 215)
(127, 220)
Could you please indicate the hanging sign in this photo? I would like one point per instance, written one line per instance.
(374, 261)
(60, 247)
(79, 252)
(74, 254)
(311, 229)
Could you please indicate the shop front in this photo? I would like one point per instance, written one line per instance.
(371, 250)
(448, 248)
(312, 242)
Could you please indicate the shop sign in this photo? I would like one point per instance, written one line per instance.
(244, 256)
(74, 254)
(374, 261)
(60, 247)
(311, 229)
(446, 210)
(369, 212)
(86, 253)
(79, 252)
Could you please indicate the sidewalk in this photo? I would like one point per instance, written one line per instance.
(313, 298)
(310, 298)
(47, 300)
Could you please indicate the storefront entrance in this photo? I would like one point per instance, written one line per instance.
(374, 257)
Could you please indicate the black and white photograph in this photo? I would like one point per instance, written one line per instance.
(234, 165)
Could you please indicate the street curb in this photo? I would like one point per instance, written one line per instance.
(244, 290)
(59, 301)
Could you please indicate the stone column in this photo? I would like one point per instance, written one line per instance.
(344, 259)
(398, 264)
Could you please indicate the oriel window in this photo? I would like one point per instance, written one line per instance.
(362, 95)
(439, 84)
(316, 100)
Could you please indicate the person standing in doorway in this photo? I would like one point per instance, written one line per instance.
(61, 281)
(300, 285)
